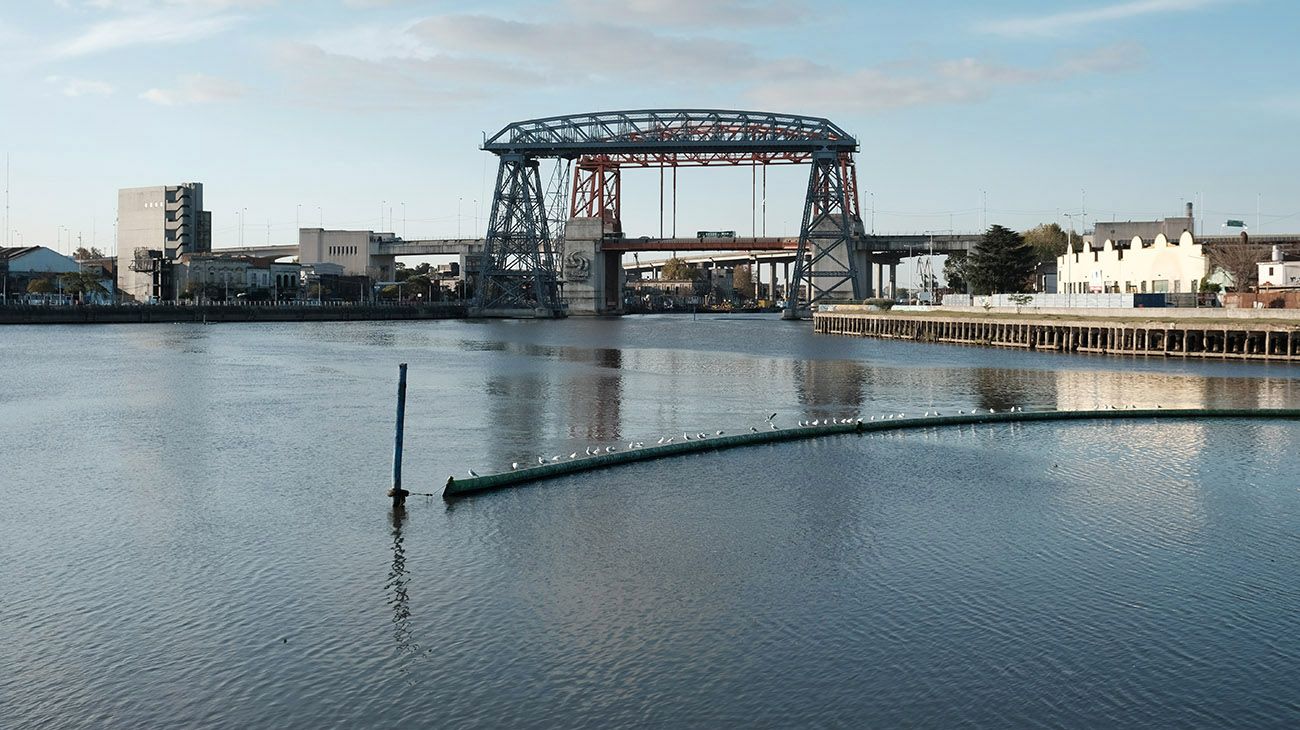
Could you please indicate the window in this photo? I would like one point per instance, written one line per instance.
(1143, 288)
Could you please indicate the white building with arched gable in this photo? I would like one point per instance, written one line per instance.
(1136, 267)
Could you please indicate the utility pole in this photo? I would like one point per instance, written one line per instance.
(7, 234)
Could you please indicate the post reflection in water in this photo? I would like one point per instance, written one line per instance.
(400, 600)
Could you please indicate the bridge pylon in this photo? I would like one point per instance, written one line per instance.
(516, 273)
(831, 225)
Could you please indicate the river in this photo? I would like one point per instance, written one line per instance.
(194, 533)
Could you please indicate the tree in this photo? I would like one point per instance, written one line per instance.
(1239, 260)
(677, 270)
(954, 271)
(193, 290)
(82, 282)
(1048, 241)
(1000, 262)
(742, 280)
(83, 254)
(40, 286)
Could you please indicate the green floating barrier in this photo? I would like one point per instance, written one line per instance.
(461, 487)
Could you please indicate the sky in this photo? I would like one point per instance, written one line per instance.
(338, 112)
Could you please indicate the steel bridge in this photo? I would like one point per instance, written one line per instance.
(519, 270)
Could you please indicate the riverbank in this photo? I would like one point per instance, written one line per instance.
(1155, 333)
(211, 313)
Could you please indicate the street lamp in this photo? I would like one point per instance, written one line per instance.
(1069, 259)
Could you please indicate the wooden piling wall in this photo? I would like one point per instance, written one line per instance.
(1242, 340)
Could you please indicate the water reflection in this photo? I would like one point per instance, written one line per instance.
(400, 600)
(829, 387)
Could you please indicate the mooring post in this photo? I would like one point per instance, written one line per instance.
(397, 493)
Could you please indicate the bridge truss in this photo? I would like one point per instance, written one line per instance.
(518, 269)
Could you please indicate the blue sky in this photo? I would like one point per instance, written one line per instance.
(310, 111)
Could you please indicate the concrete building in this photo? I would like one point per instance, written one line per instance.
(234, 275)
(1170, 228)
(1279, 273)
(358, 252)
(1137, 266)
(156, 226)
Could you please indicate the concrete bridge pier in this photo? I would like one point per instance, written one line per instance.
(592, 278)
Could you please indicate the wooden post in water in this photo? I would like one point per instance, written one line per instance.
(397, 493)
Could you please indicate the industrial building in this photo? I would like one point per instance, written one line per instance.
(155, 227)
(20, 265)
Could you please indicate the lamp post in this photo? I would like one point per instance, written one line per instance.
(1069, 259)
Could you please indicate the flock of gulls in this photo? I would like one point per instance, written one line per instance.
(771, 425)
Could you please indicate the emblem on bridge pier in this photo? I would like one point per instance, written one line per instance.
(577, 267)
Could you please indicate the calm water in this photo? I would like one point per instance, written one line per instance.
(193, 532)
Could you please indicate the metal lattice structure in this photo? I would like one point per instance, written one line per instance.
(517, 268)
(518, 262)
(831, 223)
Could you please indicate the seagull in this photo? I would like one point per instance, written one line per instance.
(587, 451)
(991, 410)
(771, 416)
(514, 465)
(701, 434)
(686, 436)
(754, 430)
(609, 449)
(661, 439)
(574, 455)
(719, 433)
(961, 413)
(472, 473)
(814, 422)
(873, 418)
(773, 425)
(557, 457)
(669, 441)
(541, 460)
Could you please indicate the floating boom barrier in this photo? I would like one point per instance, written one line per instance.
(462, 487)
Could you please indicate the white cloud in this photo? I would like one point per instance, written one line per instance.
(957, 81)
(455, 58)
(145, 29)
(692, 13)
(69, 86)
(1071, 20)
(195, 89)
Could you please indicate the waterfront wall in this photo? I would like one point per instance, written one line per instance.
(223, 313)
(1257, 340)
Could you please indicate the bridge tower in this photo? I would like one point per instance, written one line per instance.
(831, 225)
(516, 273)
